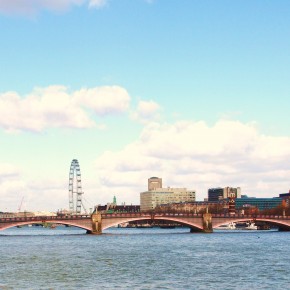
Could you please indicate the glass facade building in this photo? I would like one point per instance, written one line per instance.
(260, 203)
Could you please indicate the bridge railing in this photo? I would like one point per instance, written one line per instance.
(171, 214)
(250, 216)
(44, 218)
(146, 214)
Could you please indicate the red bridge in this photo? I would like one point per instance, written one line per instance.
(96, 223)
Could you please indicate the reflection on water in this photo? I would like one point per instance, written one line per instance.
(67, 258)
(39, 230)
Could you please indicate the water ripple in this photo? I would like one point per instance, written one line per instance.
(143, 259)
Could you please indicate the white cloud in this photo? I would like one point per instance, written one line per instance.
(185, 154)
(104, 100)
(32, 195)
(198, 156)
(97, 3)
(33, 6)
(8, 172)
(48, 195)
(40, 194)
(10, 183)
(146, 111)
(55, 106)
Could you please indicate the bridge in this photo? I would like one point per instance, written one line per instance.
(98, 222)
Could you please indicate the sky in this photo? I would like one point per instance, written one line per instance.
(195, 92)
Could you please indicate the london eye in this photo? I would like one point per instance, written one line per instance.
(75, 188)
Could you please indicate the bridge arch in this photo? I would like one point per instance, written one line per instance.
(65, 223)
(108, 223)
(281, 223)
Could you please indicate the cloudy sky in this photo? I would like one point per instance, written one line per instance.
(196, 92)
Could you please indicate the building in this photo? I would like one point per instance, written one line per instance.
(154, 183)
(157, 195)
(25, 214)
(285, 195)
(196, 207)
(113, 207)
(221, 193)
(286, 198)
(256, 202)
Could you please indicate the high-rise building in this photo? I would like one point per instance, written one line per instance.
(219, 193)
(154, 183)
(156, 195)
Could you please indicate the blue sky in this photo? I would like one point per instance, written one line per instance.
(212, 74)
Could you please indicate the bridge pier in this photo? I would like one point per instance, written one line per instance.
(96, 224)
(207, 223)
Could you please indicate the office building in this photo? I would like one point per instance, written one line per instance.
(256, 202)
(219, 193)
(157, 195)
(154, 183)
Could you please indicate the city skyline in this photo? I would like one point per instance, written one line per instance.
(196, 93)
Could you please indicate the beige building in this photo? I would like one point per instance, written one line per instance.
(154, 183)
(26, 214)
(157, 195)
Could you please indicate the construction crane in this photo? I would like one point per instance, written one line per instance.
(20, 205)
(84, 208)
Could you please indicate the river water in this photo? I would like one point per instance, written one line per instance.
(67, 258)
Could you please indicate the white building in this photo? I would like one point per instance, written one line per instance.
(156, 196)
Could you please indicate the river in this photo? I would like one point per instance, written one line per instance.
(67, 258)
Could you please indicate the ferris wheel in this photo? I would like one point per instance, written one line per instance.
(75, 188)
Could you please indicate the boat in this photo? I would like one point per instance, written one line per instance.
(167, 227)
(123, 225)
(230, 226)
(251, 226)
(144, 226)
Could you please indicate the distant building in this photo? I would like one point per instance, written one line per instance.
(286, 198)
(114, 208)
(7, 215)
(24, 214)
(195, 207)
(256, 202)
(111, 208)
(285, 195)
(157, 195)
(221, 193)
(154, 183)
